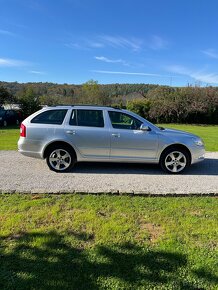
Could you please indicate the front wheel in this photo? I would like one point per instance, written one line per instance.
(60, 159)
(175, 160)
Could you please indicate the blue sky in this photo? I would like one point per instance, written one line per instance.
(171, 42)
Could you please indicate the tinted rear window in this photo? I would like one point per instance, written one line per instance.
(55, 117)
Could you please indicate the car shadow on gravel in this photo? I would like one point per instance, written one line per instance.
(208, 167)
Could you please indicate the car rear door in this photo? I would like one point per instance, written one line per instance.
(88, 132)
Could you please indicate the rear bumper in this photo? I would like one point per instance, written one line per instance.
(24, 146)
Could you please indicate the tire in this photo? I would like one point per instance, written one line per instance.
(175, 160)
(60, 158)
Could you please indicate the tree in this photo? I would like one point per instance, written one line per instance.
(5, 96)
(91, 93)
(49, 100)
(29, 102)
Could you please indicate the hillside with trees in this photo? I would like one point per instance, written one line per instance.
(191, 104)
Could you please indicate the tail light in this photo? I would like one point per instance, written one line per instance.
(22, 130)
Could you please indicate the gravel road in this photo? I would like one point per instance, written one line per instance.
(23, 174)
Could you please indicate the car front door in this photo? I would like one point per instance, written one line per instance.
(128, 142)
(89, 133)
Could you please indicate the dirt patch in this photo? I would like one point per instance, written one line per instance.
(152, 231)
(37, 196)
(196, 213)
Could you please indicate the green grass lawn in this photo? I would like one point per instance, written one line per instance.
(107, 242)
(10, 136)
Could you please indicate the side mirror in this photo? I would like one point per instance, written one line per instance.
(143, 127)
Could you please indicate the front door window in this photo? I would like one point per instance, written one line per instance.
(124, 121)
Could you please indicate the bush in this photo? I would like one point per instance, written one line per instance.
(140, 107)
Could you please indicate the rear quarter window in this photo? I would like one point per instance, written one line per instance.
(55, 117)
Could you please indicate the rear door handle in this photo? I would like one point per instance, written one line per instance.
(115, 135)
(71, 132)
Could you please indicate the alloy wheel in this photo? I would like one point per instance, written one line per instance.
(60, 159)
(175, 161)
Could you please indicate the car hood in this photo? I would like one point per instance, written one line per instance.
(178, 133)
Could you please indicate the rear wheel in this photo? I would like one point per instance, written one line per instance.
(175, 160)
(60, 158)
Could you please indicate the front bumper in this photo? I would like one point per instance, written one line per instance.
(198, 154)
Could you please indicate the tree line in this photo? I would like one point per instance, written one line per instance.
(191, 104)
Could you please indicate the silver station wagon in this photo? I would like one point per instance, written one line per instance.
(64, 135)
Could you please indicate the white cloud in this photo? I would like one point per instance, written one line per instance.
(209, 78)
(131, 73)
(211, 53)
(102, 41)
(36, 72)
(155, 42)
(8, 62)
(108, 60)
(119, 41)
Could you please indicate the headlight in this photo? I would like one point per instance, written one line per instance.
(199, 142)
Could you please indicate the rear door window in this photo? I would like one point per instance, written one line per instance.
(55, 117)
(87, 118)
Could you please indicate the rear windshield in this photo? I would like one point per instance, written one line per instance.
(55, 117)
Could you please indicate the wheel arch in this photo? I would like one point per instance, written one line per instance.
(176, 146)
(56, 143)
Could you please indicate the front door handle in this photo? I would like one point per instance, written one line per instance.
(115, 135)
(71, 132)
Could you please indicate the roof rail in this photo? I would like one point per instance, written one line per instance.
(83, 105)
